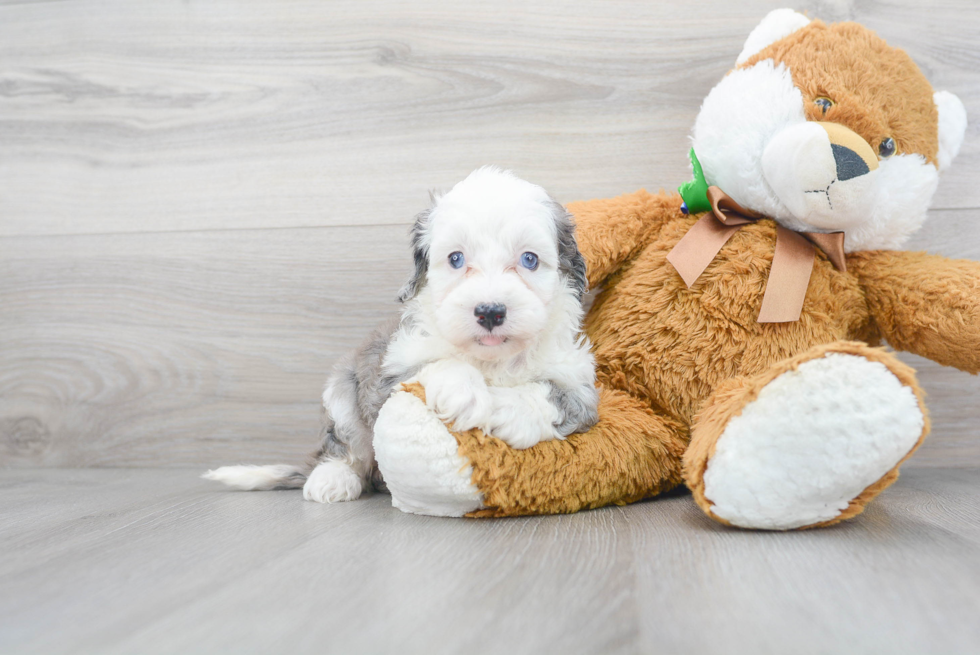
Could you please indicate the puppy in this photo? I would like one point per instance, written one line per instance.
(490, 326)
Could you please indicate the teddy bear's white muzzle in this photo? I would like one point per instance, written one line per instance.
(823, 173)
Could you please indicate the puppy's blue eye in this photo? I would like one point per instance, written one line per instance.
(529, 261)
(456, 259)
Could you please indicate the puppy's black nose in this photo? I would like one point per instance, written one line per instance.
(490, 315)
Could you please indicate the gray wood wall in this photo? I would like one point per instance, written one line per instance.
(202, 204)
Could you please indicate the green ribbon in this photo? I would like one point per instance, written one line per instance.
(695, 192)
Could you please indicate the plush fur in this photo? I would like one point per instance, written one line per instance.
(689, 374)
(629, 454)
(778, 469)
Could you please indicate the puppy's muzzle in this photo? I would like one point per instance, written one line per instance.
(490, 315)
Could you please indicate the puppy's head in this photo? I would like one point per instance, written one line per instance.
(496, 265)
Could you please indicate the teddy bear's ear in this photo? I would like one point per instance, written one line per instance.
(952, 126)
(777, 24)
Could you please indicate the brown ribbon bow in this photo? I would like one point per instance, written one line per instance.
(792, 260)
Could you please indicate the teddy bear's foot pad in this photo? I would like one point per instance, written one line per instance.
(420, 461)
(811, 442)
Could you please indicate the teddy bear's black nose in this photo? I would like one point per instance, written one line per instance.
(490, 315)
(849, 163)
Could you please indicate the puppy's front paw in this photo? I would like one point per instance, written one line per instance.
(522, 416)
(332, 481)
(457, 393)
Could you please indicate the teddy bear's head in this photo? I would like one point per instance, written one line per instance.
(825, 127)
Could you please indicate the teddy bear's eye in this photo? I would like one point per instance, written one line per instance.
(887, 147)
(824, 103)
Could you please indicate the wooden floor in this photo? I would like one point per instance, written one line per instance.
(151, 561)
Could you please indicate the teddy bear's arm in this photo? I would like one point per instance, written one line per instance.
(924, 304)
(611, 231)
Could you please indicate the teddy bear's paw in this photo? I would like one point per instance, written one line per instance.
(812, 441)
(457, 393)
(523, 416)
(333, 481)
(420, 461)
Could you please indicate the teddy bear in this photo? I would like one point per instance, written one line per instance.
(738, 328)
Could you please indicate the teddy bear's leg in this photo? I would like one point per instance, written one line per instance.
(807, 443)
(419, 458)
(631, 453)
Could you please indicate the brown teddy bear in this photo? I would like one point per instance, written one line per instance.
(734, 333)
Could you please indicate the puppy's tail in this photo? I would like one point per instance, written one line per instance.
(259, 478)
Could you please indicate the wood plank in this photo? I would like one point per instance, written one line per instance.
(878, 584)
(243, 115)
(953, 399)
(115, 568)
(211, 347)
(186, 348)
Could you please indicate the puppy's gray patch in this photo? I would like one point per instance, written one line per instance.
(359, 383)
(571, 263)
(577, 406)
(420, 255)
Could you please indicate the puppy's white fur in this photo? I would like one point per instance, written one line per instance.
(529, 379)
(492, 218)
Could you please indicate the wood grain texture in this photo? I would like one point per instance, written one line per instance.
(203, 204)
(151, 561)
(183, 348)
(257, 114)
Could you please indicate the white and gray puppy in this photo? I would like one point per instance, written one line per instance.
(491, 328)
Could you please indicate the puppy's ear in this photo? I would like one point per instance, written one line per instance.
(420, 253)
(571, 263)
